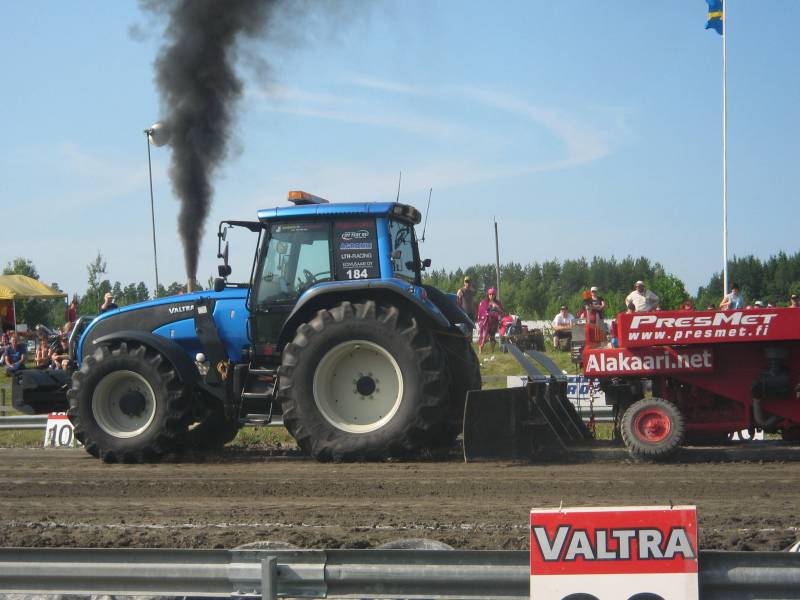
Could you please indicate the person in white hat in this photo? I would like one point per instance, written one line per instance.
(643, 299)
(598, 304)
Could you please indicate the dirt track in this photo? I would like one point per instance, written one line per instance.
(65, 498)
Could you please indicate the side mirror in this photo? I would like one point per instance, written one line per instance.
(219, 284)
(426, 263)
(224, 270)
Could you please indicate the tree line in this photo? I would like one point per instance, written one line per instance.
(537, 290)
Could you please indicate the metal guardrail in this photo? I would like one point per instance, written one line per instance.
(24, 422)
(40, 422)
(443, 574)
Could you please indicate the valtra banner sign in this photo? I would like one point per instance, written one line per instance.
(619, 553)
(703, 327)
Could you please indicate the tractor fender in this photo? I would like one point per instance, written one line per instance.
(448, 305)
(400, 293)
(176, 355)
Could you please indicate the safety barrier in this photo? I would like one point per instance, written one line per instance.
(40, 422)
(365, 574)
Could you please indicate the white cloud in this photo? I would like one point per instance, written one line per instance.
(404, 122)
(583, 142)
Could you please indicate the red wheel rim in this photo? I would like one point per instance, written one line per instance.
(652, 425)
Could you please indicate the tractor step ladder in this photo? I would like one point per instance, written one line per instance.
(521, 423)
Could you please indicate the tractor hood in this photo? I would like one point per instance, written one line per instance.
(153, 315)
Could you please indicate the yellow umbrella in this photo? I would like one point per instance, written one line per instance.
(21, 287)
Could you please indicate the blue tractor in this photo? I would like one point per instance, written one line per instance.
(335, 331)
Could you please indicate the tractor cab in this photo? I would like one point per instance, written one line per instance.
(315, 249)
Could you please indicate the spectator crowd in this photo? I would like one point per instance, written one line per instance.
(489, 316)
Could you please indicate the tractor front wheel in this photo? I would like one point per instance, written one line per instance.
(127, 404)
(362, 382)
(652, 429)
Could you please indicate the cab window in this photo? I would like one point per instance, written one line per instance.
(294, 257)
(404, 263)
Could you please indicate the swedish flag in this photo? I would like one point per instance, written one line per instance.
(715, 15)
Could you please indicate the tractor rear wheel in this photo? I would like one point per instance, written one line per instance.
(465, 375)
(362, 382)
(127, 404)
(652, 429)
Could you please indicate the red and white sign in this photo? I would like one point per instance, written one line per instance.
(642, 361)
(702, 327)
(621, 553)
(59, 433)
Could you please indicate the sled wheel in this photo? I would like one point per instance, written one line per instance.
(127, 405)
(652, 429)
(362, 382)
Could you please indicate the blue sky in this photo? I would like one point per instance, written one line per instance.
(588, 128)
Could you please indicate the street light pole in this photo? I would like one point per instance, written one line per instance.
(147, 133)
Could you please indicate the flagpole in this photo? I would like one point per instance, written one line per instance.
(724, 149)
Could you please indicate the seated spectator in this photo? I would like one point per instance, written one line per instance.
(60, 356)
(793, 302)
(42, 356)
(687, 304)
(630, 308)
(4, 344)
(758, 304)
(613, 341)
(562, 327)
(510, 325)
(15, 355)
(711, 307)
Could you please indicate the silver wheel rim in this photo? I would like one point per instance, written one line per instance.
(124, 404)
(358, 386)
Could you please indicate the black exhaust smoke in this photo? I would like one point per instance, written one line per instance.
(199, 91)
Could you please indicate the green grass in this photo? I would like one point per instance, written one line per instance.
(22, 438)
(272, 438)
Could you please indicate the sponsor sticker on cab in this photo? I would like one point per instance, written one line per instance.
(618, 553)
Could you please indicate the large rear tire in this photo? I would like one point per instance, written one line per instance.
(465, 375)
(652, 429)
(127, 404)
(362, 382)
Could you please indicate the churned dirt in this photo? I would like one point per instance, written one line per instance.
(746, 499)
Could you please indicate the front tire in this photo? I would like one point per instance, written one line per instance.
(652, 429)
(127, 405)
(362, 382)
